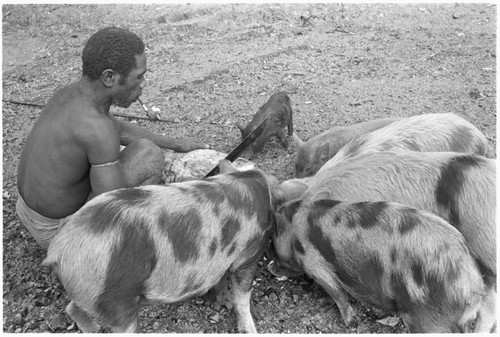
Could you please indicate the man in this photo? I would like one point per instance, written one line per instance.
(73, 151)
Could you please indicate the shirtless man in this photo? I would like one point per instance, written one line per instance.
(73, 151)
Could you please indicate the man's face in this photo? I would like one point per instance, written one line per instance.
(131, 88)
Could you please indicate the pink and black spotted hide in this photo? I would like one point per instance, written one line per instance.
(428, 132)
(458, 187)
(394, 257)
(424, 133)
(162, 244)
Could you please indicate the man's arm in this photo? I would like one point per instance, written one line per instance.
(130, 132)
(103, 148)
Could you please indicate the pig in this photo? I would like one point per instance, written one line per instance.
(163, 243)
(315, 152)
(430, 132)
(279, 110)
(458, 187)
(389, 255)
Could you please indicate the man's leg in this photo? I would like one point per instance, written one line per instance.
(143, 163)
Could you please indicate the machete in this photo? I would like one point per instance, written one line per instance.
(241, 146)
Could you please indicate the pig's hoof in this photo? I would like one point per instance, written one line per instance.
(273, 269)
(89, 328)
(82, 319)
(247, 328)
(348, 315)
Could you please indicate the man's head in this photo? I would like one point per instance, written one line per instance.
(111, 48)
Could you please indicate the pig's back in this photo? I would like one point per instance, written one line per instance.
(133, 239)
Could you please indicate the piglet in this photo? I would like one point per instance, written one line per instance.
(280, 116)
(163, 244)
(391, 256)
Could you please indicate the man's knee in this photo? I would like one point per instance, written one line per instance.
(145, 150)
(153, 151)
(143, 162)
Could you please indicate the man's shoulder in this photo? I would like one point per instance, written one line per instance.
(73, 113)
(98, 128)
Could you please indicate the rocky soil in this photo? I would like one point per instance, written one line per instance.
(213, 65)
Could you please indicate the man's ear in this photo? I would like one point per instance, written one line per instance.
(108, 77)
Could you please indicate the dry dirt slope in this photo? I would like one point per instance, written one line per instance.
(215, 65)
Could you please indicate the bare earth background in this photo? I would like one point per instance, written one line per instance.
(213, 65)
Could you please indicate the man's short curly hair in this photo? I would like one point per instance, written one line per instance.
(111, 48)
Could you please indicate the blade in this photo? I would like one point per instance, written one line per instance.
(241, 146)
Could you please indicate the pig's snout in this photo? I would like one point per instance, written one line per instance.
(282, 270)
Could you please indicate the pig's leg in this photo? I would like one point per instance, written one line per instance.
(290, 125)
(123, 312)
(340, 297)
(220, 292)
(282, 137)
(241, 280)
(84, 322)
(487, 317)
(127, 328)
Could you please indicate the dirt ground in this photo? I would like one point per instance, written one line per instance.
(214, 65)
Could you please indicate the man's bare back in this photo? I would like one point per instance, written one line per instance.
(54, 166)
(73, 151)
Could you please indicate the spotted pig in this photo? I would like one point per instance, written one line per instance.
(458, 187)
(165, 244)
(391, 256)
(429, 132)
(279, 110)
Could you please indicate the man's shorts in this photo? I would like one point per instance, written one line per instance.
(43, 229)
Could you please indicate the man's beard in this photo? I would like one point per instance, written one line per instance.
(122, 103)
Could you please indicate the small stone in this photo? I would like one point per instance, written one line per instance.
(324, 300)
(60, 321)
(42, 302)
(216, 306)
(72, 327)
(306, 321)
(44, 326)
(391, 321)
(18, 319)
(215, 318)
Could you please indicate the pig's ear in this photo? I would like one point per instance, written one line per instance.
(279, 224)
(225, 166)
(324, 153)
(322, 195)
(298, 142)
(290, 189)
